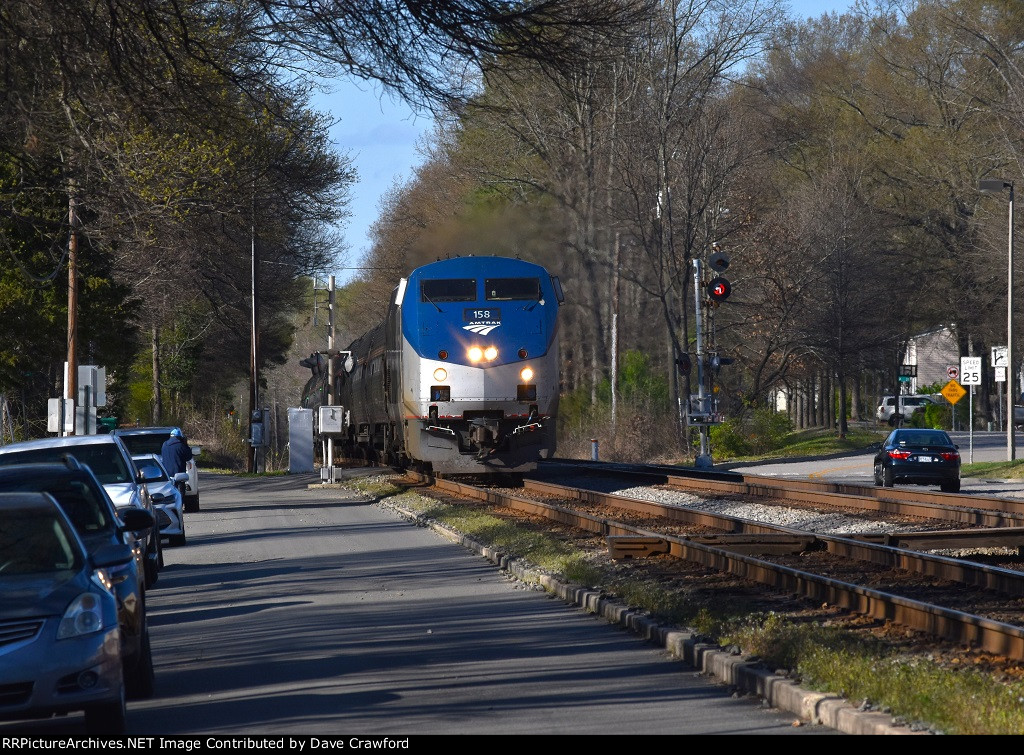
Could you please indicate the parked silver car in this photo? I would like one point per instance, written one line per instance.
(150, 440)
(909, 405)
(61, 644)
(165, 491)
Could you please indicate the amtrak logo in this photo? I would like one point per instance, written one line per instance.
(481, 328)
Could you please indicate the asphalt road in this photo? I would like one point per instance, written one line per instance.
(299, 611)
(857, 467)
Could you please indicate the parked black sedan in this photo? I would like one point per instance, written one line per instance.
(96, 521)
(919, 457)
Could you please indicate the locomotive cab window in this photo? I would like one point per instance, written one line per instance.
(449, 289)
(507, 289)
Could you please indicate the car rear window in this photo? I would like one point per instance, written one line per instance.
(35, 542)
(145, 443)
(80, 501)
(105, 460)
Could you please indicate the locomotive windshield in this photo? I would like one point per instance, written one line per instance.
(506, 289)
(451, 289)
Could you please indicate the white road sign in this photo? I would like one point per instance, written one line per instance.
(952, 372)
(970, 370)
(1000, 357)
(1000, 374)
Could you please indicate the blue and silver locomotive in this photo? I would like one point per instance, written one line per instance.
(462, 375)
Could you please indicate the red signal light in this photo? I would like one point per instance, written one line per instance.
(719, 289)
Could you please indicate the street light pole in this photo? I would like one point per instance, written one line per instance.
(1011, 381)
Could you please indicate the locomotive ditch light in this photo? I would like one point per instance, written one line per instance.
(440, 374)
(526, 374)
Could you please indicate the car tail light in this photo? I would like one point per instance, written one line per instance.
(897, 454)
(950, 455)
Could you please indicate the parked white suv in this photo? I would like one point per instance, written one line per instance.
(909, 405)
(149, 440)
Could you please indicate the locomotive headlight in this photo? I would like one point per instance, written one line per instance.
(490, 353)
(475, 354)
(440, 374)
(526, 374)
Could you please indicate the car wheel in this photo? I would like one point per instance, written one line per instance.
(892, 421)
(950, 487)
(107, 719)
(887, 478)
(878, 475)
(191, 504)
(142, 680)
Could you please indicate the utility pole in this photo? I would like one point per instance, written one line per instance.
(615, 332)
(71, 379)
(332, 363)
(254, 348)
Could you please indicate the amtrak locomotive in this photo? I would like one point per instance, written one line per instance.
(462, 375)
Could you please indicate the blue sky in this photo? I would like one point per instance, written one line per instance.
(381, 137)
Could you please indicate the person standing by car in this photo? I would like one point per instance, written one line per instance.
(175, 452)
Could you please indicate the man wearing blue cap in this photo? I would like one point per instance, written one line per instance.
(175, 452)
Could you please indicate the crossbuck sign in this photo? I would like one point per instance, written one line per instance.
(970, 370)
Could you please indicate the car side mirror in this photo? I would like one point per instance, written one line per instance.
(136, 520)
(180, 477)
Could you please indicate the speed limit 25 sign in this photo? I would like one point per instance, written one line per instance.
(970, 370)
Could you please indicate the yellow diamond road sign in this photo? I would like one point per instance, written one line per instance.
(953, 391)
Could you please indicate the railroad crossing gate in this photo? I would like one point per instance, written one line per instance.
(953, 391)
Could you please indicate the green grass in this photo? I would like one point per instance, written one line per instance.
(824, 658)
(819, 442)
(998, 470)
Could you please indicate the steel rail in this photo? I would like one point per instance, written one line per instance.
(1005, 581)
(982, 511)
(957, 626)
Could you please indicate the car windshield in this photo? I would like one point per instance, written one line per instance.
(35, 541)
(104, 459)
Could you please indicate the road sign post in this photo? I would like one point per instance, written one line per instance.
(970, 375)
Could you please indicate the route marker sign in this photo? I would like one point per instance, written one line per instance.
(953, 391)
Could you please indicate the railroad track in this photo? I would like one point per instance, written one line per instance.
(975, 604)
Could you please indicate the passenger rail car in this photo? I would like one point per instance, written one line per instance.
(461, 377)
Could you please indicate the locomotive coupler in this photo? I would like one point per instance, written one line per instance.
(484, 435)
